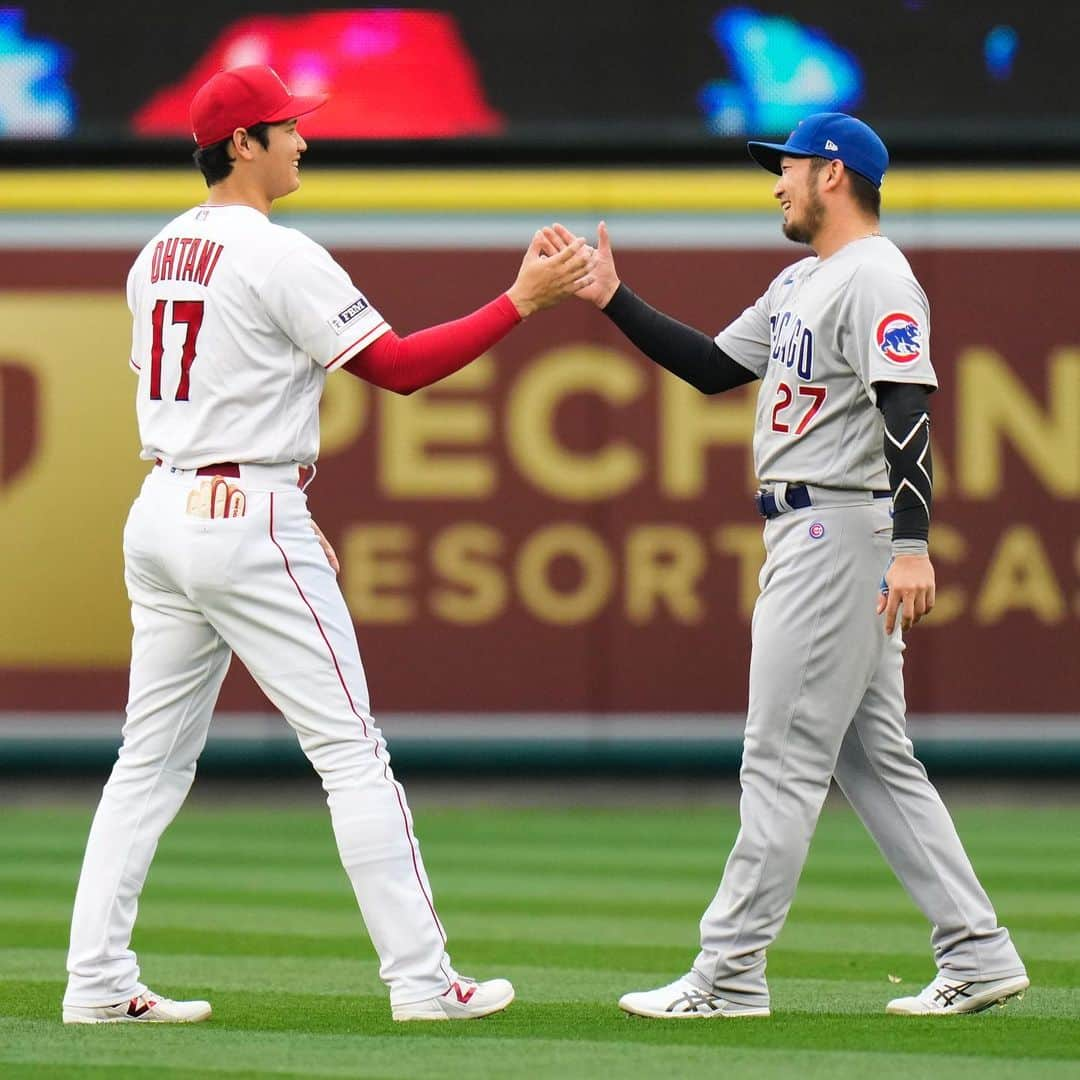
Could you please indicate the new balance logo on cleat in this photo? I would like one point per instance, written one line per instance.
(144, 1008)
(136, 1009)
(466, 999)
(464, 996)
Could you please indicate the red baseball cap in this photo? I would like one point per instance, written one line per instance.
(242, 97)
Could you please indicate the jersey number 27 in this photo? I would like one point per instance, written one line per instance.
(784, 398)
(189, 312)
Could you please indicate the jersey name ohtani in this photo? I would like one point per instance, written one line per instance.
(792, 343)
(185, 258)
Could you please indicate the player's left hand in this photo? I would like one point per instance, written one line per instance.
(910, 591)
(550, 272)
(328, 549)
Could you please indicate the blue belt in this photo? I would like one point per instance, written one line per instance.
(797, 498)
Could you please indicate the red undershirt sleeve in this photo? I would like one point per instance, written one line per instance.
(410, 363)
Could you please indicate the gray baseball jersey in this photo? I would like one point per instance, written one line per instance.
(824, 332)
(826, 684)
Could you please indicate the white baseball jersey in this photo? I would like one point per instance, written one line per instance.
(824, 332)
(236, 322)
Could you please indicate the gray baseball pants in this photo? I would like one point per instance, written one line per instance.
(827, 700)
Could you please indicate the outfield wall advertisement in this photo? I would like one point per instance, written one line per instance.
(560, 527)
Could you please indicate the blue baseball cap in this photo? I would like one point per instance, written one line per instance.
(831, 135)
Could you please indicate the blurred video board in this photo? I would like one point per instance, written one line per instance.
(118, 70)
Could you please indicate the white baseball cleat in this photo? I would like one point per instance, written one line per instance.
(466, 999)
(682, 1000)
(147, 1008)
(949, 997)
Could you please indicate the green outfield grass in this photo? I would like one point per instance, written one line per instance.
(250, 909)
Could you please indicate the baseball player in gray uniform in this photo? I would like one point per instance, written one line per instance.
(236, 324)
(840, 342)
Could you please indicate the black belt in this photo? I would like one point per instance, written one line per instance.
(797, 498)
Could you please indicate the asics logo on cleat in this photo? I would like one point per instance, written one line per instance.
(696, 1001)
(948, 994)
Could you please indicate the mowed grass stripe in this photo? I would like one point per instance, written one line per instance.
(704, 872)
(83, 1071)
(433, 1055)
(510, 858)
(328, 889)
(891, 909)
(690, 831)
(585, 927)
(1005, 832)
(300, 838)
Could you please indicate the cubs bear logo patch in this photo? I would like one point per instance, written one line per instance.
(899, 337)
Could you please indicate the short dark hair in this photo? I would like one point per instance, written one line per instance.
(867, 197)
(214, 162)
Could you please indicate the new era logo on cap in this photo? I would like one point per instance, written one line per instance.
(821, 135)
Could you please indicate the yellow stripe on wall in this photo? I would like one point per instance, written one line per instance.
(511, 191)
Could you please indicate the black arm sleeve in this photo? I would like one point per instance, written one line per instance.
(906, 409)
(684, 351)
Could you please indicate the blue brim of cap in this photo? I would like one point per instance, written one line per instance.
(768, 154)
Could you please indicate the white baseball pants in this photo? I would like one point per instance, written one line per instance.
(258, 586)
(827, 699)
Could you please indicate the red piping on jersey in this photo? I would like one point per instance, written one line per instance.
(360, 343)
(411, 363)
(363, 725)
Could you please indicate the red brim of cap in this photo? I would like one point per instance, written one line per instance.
(299, 105)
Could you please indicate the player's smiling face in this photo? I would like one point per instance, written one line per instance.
(800, 201)
(280, 164)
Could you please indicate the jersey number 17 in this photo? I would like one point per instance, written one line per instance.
(189, 312)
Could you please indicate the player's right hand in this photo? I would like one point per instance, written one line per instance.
(909, 591)
(328, 548)
(605, 281)
(551, 271)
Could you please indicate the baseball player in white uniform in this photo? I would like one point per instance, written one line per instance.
(237, 323)
(841, 344)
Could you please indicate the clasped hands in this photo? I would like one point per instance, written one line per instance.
(558, 264)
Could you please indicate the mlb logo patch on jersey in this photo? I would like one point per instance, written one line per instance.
(899, 337)
(340, 322)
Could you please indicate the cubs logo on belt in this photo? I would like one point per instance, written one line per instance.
(899, 337)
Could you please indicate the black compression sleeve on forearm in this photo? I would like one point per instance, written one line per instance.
(684, 351)
(906, 409)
